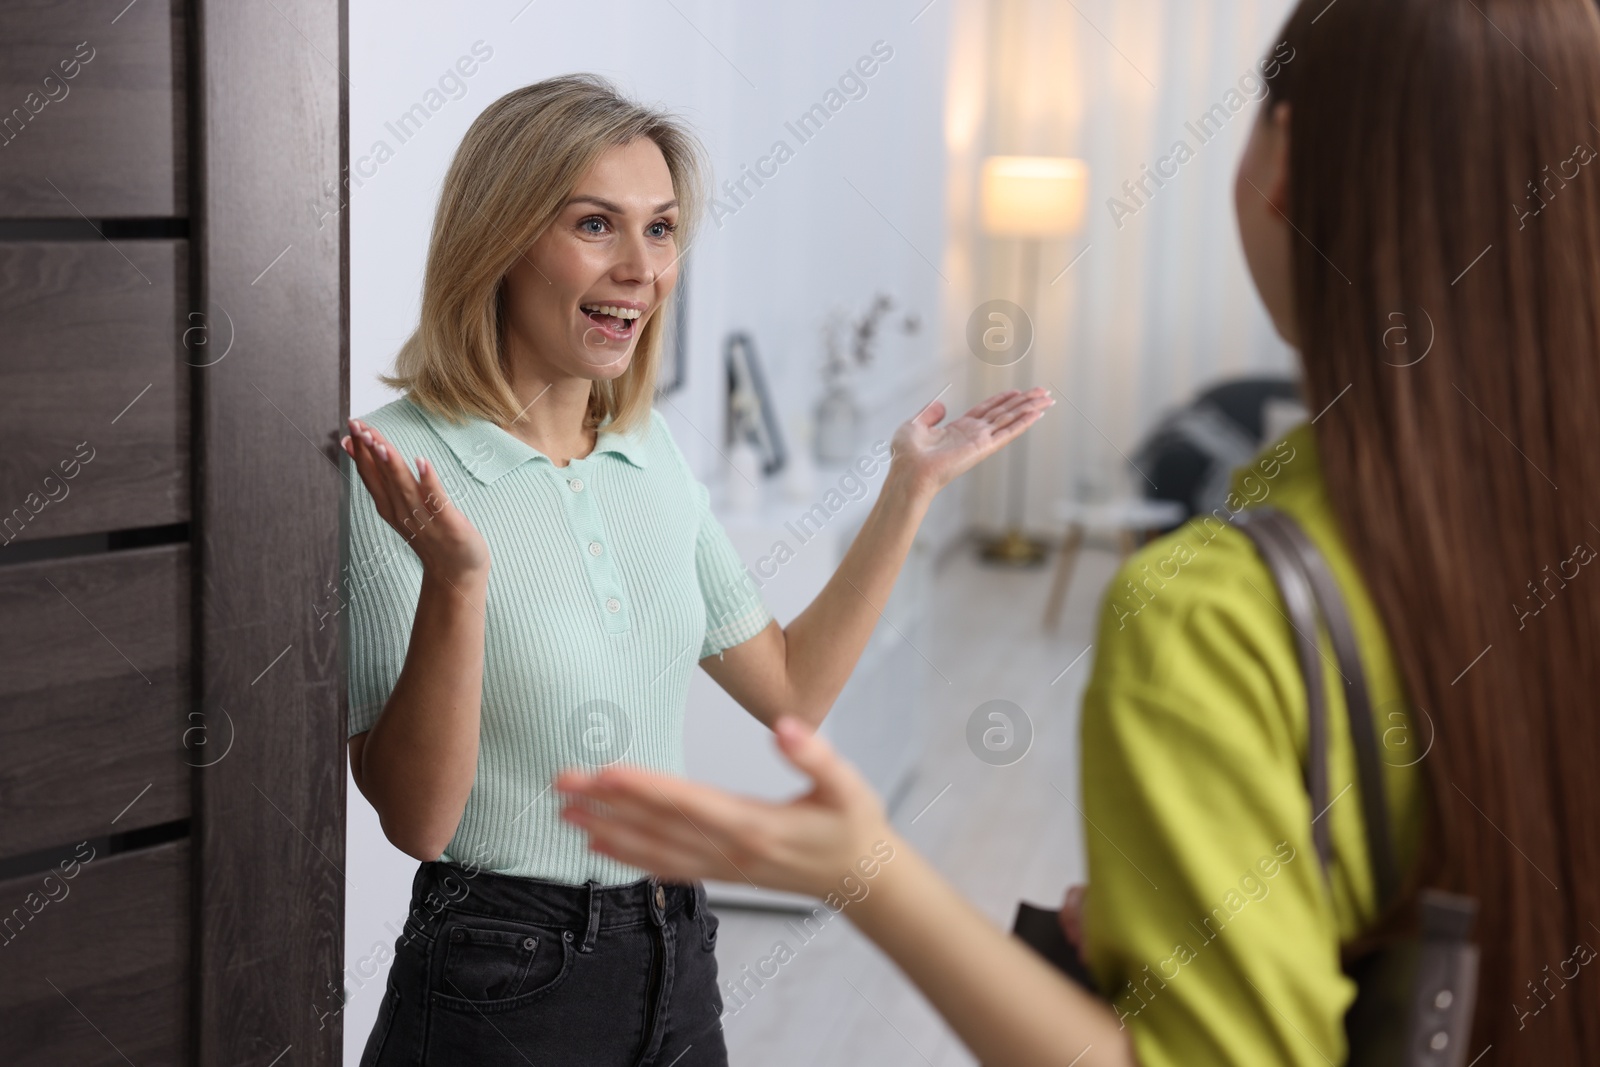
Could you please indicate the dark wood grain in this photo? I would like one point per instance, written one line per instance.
(108, 141)
(94, 969)
(96, 431)
(93, 697)
(269, 819)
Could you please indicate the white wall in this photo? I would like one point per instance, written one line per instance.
(801, 246)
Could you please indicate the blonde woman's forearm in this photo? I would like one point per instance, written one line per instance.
(418, 762)
(824, 642)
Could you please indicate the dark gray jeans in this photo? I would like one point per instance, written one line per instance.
(494, 969)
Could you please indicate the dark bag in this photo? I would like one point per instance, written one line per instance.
(1415, 996)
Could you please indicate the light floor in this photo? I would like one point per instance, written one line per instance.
(1000, 834)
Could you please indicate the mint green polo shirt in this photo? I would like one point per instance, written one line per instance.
(609, 580)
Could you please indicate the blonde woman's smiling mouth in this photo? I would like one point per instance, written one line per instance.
(615, 319)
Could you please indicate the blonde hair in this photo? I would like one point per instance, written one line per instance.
(514, 171)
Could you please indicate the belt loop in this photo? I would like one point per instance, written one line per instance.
(691, 902)
(594, 917)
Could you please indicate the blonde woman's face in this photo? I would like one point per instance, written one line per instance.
(612, 246)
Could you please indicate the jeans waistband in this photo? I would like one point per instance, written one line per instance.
(439, 889)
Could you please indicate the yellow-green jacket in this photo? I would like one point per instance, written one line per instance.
(1209, 923)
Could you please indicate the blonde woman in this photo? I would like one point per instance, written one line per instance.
(535, 573)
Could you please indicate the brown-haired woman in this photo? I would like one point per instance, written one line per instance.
(1419, 220)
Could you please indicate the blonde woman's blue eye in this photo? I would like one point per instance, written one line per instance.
(667, 228)
(592, 218)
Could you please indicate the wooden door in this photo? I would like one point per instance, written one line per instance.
(173, 360)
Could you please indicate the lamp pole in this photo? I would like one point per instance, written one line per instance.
(1015, 548)
(1029, 198)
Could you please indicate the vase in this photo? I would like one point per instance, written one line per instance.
(838, 426)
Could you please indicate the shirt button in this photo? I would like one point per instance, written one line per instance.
(594, 548)
(613, 605)
(576, 484)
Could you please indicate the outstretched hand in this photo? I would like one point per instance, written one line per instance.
(683, 831)
(936, 455)
(416, 506)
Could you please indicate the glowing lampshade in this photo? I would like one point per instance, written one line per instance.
(1033, 196)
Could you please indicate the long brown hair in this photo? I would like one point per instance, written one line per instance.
(1440, 186)
(511, 175)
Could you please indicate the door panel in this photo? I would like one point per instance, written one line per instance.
(92, 110)
(96, 385)
(92, 702)
(97, 960)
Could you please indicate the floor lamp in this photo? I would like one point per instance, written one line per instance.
(1030, 198)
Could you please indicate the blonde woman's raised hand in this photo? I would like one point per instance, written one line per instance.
(416, 506)
(935, 455)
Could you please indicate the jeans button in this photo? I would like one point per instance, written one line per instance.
(661, 898)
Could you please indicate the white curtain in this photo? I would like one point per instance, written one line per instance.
(1160, 303)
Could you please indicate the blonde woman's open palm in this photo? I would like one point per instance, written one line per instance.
(416, 506)
(940, 454)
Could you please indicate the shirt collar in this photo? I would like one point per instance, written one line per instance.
(487, 451)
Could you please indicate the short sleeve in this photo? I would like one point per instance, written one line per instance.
(383, 582)
(1208, 925)
(735, 611)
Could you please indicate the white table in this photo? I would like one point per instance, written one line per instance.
(1125, 516)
